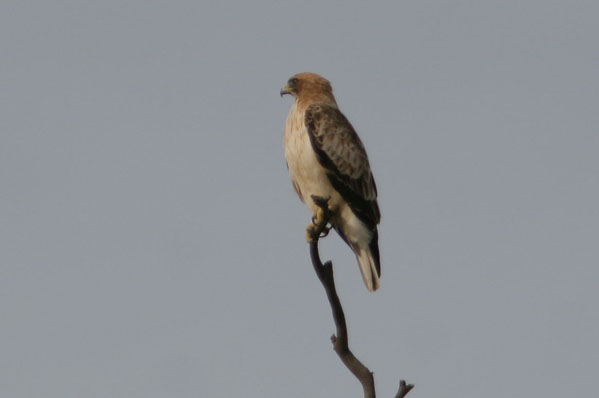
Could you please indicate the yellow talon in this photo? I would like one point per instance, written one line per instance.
(311, 233)
(319, 227)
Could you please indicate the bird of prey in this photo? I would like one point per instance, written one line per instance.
(326, 158)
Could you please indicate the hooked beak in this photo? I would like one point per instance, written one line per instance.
(285, 90)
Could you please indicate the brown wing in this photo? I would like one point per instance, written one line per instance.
(341, 152)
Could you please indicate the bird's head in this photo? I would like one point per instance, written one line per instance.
(307, 84)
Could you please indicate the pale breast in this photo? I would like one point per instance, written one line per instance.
(308, 176)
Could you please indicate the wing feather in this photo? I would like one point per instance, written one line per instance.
(340, 151)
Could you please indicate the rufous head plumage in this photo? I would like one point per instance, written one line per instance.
(309, 87)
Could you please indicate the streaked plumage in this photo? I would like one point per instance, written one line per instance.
(326, 158)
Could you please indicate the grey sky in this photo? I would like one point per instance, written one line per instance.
(152, 245)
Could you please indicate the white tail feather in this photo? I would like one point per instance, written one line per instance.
(368, 269)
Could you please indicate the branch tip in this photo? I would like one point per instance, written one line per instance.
(404, 389)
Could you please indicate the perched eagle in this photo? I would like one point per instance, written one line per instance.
(326, 158)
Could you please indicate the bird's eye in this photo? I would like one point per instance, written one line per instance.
(293, 81)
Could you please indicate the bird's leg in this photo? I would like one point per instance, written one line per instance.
(319, 227)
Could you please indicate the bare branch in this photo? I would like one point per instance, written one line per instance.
(325, 275)
(404, 389)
